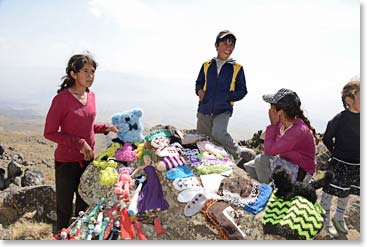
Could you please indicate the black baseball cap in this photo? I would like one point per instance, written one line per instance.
(274, 98)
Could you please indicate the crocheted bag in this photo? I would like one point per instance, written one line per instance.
(294, 219)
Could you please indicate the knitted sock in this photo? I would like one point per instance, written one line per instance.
(158, 227)
(127, 229)
(138, 227)
(340, 208)
(325, 204)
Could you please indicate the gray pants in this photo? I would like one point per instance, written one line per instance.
(215, 126)
(262, 166)
(259, 168)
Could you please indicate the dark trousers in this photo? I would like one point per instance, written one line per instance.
(67, 176)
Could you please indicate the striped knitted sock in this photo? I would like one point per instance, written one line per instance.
(340, 208)
(325, 204)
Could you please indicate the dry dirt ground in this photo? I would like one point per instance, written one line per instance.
(25, 137)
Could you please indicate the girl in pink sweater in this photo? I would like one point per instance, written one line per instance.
(289, 140)
(70, 124)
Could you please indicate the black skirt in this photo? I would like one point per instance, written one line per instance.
(346, 178)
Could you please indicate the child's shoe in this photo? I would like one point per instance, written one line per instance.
(329, 231)
(340, 225)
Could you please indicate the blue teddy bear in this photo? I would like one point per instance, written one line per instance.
(130, 126)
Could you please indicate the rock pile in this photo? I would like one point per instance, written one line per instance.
(22, 189)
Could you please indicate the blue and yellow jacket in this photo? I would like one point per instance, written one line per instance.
(222, 90)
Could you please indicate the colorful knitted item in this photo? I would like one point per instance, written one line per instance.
(222, 217)
(157, 133)
(109, 152)
(179, 172)
(294, 219)
(126, 153)
(260, 203)
(211, 148)
(219, 169)
(108, 176)
(238, 191)
(173, 161)
(106, 159)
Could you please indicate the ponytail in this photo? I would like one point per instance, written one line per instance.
(307, 122)
(67, 82)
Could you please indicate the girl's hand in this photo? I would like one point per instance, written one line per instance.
(113, 128)
(87, 151)
(273, 115)
(201, 94)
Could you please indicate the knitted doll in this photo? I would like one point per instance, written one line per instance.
(151, 195)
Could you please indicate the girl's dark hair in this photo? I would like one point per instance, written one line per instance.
(350, 90)
(75, 64)
(291, 105)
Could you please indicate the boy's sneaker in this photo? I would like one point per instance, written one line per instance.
(340, 225)
(247, 154)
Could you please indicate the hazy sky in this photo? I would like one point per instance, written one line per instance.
(310, 46)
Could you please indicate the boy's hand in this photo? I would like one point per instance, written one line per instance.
(87, 151)
(201, 94)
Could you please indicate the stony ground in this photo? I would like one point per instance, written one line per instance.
(25, 138)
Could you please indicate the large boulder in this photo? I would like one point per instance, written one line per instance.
(90, 189)
(16, 201)
(178, 226)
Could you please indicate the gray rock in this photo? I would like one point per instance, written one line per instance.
(2, 178)
(27, 199)
(41, 142)
(18, 157)
(353, 219)
(90, 189)
(14, 169)
(18, 181)
(26, 163)
(8, 181)
(32, 177)
(1, 150)
(5, 234)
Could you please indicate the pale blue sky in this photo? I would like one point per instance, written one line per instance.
(171, 38)
(310, 46)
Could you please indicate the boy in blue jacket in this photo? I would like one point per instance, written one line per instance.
(220, 83)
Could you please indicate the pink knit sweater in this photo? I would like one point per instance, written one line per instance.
(69, 123)
(296, 145)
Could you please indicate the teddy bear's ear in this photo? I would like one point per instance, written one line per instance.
(138, 112)
(115, 118)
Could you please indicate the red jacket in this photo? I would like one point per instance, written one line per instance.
(69, 123)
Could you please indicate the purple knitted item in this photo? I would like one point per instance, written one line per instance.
(151, 195)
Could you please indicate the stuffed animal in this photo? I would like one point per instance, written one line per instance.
(123, 185)
(130, 126)
(126, 153)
